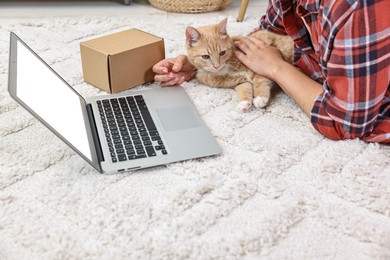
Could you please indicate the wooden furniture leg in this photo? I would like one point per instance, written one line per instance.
(241, 13)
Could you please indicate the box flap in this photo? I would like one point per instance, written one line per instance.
(122, 41)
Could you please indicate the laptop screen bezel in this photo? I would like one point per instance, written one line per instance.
(12, 89)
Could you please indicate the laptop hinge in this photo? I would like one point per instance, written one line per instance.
(95, 135)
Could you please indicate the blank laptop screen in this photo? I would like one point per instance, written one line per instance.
(52, 99)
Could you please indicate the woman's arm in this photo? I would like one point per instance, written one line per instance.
(353, 101)
(267, 61)
(356, 64)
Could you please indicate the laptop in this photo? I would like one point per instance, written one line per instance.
(114, 133)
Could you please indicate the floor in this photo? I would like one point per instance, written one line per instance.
(58, 8)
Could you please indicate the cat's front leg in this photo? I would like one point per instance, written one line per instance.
(245, 94)
(261, 91)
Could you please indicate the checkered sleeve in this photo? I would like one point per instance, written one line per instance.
(272, 20)
(356, 65)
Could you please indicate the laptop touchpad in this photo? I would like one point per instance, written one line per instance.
(177, 118)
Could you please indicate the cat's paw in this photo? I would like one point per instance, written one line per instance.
(244, 106)
(260, 101)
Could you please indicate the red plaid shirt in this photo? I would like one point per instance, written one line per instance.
(345, 46)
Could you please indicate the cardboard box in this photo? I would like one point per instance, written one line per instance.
(122, 60)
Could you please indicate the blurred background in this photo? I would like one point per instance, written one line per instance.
(142, 8)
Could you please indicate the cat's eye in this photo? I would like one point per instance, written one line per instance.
(206, 57)
(222, 53)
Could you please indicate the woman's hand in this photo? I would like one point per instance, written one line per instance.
(258, 56)
(174, 71)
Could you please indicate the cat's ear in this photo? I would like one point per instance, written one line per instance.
(192, 35)
(222, 27)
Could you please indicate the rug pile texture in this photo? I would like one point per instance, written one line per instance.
(279, 190)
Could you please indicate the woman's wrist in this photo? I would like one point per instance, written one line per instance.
(301, 88)
(278, 70)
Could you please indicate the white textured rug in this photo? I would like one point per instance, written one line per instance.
(278, 191)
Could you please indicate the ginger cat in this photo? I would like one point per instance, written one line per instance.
(210, 50)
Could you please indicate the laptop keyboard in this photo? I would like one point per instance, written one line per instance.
(129, 129)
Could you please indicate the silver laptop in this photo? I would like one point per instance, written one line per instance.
(114, 133)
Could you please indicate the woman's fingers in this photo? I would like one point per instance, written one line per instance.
(174, 71)
(249, 44)
(163, 77)
(241, 46)
(256, 41)
(181, 80)
(172, 82)
(161, 67)
(178, 62)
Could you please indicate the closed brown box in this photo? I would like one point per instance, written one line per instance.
(122, 60)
